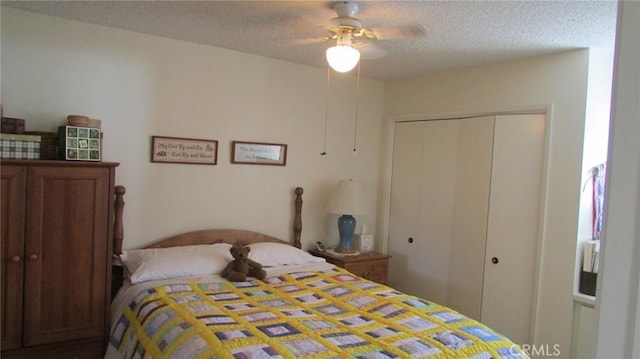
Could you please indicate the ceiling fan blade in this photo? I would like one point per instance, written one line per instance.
(370, 51)
(313, 15)
(362, 38)
(311, 41)
(396, 32)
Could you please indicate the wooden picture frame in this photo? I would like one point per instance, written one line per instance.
(258, 153)
(184, 150)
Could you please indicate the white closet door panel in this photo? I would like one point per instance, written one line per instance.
(470, 212)
(439, 157)
(404, 211)
(512, 232)
(422, 207)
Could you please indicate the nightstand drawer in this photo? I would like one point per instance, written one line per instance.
(373, 266)
(371, 270)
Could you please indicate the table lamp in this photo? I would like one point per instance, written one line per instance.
(347, 199)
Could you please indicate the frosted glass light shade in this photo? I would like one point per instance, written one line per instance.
(343, 58)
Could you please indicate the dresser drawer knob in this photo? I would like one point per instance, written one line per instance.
(33, 256)
(15, 259)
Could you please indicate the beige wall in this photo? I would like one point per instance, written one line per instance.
(557, 84)
(140, 86)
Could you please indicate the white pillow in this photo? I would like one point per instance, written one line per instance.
(276, 254)
(183, 261)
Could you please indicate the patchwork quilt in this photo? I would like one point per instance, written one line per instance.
(318, 314)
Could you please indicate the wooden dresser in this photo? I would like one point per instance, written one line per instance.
(57, 220)
(371, 265)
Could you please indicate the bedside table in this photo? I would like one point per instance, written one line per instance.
(371, 265)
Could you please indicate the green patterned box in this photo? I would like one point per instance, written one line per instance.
(20, 147)
(79, 143)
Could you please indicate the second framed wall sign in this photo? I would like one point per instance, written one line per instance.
(258, 153)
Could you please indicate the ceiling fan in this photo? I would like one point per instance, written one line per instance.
(349, 33)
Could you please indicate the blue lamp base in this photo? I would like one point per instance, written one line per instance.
(346, 227)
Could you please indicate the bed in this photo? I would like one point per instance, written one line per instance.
(175, 304)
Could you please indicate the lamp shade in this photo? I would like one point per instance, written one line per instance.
(347, 198)
(343, 58)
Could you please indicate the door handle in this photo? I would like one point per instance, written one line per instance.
(495, 260)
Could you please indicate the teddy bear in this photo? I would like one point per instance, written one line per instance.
(242, 267)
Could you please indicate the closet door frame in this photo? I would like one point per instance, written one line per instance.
(385, 204)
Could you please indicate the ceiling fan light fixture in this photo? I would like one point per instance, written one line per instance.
(343, 58)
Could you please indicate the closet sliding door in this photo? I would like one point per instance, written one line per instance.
(512, 232)
(470, 214)
(463, 220)
(439, 195)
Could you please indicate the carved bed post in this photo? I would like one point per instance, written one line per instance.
(297, 221)
(118, 232)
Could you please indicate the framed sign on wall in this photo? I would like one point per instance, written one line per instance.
(184, 150)
(258, 153)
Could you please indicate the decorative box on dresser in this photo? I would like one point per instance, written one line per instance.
(57, 226)
(371, 265)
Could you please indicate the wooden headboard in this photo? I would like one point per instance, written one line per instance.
(208, 236)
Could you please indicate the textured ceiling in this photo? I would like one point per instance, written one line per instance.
(458, 33)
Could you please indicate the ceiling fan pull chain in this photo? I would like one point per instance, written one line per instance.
(355, 130)
(326, 111)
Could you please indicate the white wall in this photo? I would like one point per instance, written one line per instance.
(140, 86)
(618, 289)
(596, 141)
(556, 83)
(596, 132)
